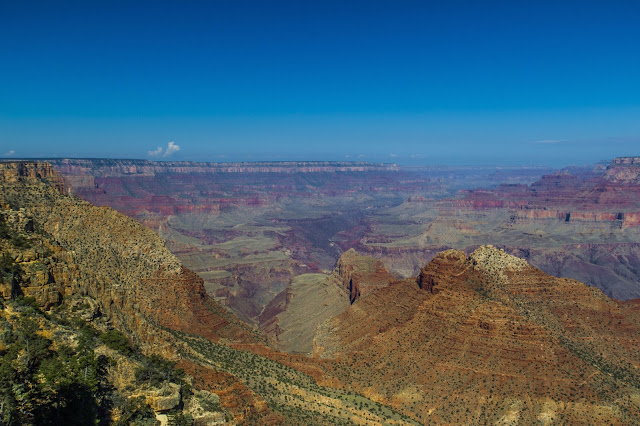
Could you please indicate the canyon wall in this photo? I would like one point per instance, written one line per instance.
(583, 225)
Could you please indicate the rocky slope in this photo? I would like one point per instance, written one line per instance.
(63, 252)
(292, 318)
(63, 367)
(486, 338)
(100, 253)
(294, 315)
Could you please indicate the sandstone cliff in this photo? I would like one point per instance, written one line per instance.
(360, 275)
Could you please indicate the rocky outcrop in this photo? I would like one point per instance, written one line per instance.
(625, 161)
(624, 170)
(200, 408)
(164, 398)
(432, 274)
(360, 275)
(18, 171)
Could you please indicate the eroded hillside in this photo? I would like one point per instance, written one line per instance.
(488, 338)
(470, 339)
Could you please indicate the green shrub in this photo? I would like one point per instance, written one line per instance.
(7, 265)
(137, 412)
(155, 370)
(116, 340)
(4, 229)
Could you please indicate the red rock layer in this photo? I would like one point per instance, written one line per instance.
(361, 275)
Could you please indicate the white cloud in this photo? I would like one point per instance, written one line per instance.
(8, 153)
(172, 148)
(393, 155)
(155, 153)
(547, 141)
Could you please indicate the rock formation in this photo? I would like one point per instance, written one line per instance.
(249, 228)
(360, 275)
(246, 228)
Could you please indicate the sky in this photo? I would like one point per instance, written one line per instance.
(443, 82)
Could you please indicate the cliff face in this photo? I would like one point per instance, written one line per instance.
(496, 333)
(624, 170)
(121, 264)
(360, 275)
(14, 172)
(118, 168)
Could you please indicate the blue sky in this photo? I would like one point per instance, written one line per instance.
(458, 82)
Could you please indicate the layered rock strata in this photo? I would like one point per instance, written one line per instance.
(488, 338)
(575, 224)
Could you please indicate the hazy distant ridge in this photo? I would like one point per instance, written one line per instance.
(115, 167)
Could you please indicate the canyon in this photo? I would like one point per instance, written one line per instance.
(69, 268)
(580, 224)
(472, 336)
(248, 229)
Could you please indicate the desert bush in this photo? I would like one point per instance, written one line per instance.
(116, 340)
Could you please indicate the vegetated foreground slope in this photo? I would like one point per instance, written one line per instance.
(110, 282)
(488, 338)
(575, 224)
